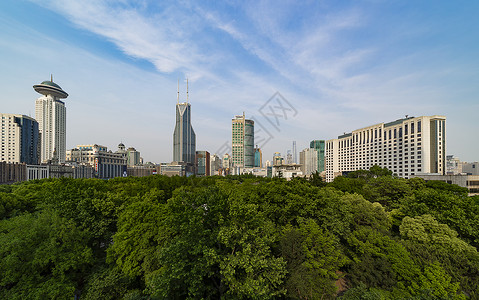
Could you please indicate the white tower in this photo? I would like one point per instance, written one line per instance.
(50, 113)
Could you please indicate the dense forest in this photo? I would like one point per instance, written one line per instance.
(369, 235)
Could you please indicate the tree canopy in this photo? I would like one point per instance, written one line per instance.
(368, 235)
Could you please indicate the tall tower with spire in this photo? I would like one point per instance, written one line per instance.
(50, 112)
(184, 137)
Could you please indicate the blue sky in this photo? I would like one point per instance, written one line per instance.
(340, 65)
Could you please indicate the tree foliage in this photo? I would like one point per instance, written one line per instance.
(367, 235)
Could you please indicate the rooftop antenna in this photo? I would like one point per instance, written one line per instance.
(178, 96)
(51, 77)
(186, 89)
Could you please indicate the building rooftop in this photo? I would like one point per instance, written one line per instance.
(48, 87)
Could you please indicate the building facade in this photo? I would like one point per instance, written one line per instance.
(105, 163)
(215, 165)
(406, 147)
(50, 113)
(277, 159)
(19, 139)
(12, 172)
(471, 182)
(132, 157)
(258, 158)
(308, 159)
(184, 137)
(319, 146)
(242, 142)
(202, 163)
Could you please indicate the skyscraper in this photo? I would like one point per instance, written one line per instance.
(295, 154)
(19, 141)
(242, 142)
(50, 113)
(184, 137)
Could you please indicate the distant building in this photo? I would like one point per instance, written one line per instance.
(215, 165)
(453, 165)
(38, 172)
(19, 139)
(308, 159)
(12, 172)
(471, 182)
(132, 157)
(50, 112)
(227, 164)
(60, 171)
(287, 171)
(184, 137)
(106, 163)
(407, 147)
(202, 163)
(295, 153)
(174, 169)
(142, 171)
(319, 146)
(277, 159)
(242, 142)
(470, 168)
(289, 157)
(258, 157)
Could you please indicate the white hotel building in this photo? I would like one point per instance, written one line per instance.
(407, 147)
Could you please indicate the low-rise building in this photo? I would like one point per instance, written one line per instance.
(12, 172)
(287, 171)
(471, 182)
(107, 164)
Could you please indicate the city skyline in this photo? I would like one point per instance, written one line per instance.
(352, 65)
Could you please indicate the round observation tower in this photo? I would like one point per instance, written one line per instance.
(50, 88)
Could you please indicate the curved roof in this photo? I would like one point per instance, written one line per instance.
(51, 83)
(50, 88)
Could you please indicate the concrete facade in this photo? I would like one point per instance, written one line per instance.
(407, 147)
(19, 139)
(308, 159)
(50, 113)
(242, 134)
(105, 163)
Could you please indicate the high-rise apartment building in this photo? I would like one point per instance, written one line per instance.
(409, 146)
(184, 137)
(50, 113)
(242, 142)
(19, 139)
(308, 159)
(319, 145)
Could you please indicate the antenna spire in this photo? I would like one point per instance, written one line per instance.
(51, 77)
(187, 90)
(178, 96)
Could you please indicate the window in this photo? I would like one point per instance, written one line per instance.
(412, 128)
(418, 126)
